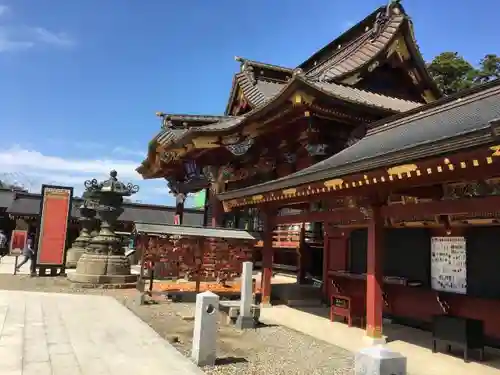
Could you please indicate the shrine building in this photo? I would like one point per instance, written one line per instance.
(356, 172)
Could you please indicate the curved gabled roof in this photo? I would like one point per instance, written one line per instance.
(363, 49)
(338, 91)
(356, 49)
(449, 125)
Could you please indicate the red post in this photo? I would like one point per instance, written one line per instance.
(374, 279)
(267, 257)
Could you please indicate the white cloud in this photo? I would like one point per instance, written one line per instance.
(32, 168)
(8, 44)
(60, 39)
(4, 9)
(14, 37)
(17, 158)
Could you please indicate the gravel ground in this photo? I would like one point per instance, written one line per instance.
(270, 350)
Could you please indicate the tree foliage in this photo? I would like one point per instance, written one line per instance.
(452, 73)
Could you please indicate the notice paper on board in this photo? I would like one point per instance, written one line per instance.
(449, 264)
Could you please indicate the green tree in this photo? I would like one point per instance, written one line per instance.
(452, 73)
(489, 69)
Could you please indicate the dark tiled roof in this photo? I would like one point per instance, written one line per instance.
(365, 97)
(166, 136)
(355, 49)
(449, 127)
(25, 205)
(6, 197)
(259, 64)
(29, 205)
(194, 118)
(344, 40)
(193, 231)
(257, 88)
(339, 91)
(253, 90)
(359, 52)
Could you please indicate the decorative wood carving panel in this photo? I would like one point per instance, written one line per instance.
(213, 259)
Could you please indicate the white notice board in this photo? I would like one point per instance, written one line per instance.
(449, 264)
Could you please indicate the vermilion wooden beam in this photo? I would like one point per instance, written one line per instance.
(399, 211)
(469, 165)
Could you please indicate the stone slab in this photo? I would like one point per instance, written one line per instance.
(49, 333)
(379, 360)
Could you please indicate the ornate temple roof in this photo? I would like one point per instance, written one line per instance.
(332, 71)
(359, 47)
(338, 91)
(454, 123)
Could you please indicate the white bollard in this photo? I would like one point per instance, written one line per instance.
(245, 319)
(204, 349)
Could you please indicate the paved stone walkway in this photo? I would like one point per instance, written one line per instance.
(53, 334)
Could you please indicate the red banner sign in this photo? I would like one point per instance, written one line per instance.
(18, 242)
(55, 214)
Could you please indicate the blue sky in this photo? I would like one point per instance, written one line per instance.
(81, 80)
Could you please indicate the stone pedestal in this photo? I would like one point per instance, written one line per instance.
(104, 260)
(80, 244)
(204, 349)
(245, 318)
(103, 269)
(379, 360)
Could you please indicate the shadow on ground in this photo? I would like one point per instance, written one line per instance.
(229, 361)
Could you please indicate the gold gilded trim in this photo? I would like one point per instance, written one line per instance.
(402, 169)
(496, 150)
(301, 97)
(227, 206)
(257, 198)
(289, 191)
(333, 183)
(206, 142)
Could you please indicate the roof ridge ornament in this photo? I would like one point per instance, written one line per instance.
(298, 72)
(382, 18)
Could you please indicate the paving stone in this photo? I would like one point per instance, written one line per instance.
(37, 368)
(56, 334)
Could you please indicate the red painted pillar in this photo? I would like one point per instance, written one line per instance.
(267, 257)
(374, 279)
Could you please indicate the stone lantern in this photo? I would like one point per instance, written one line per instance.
(104, 260)
(87, 220)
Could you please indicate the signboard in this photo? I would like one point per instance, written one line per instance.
(200, 199)
(340, 302)
(449, 264)
(18, 242)
(54, 220)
